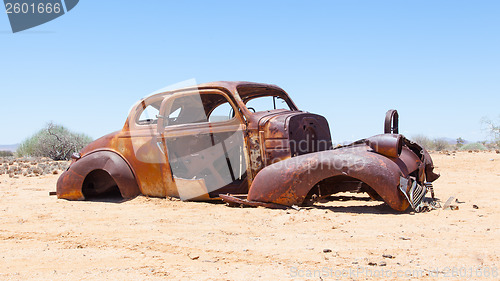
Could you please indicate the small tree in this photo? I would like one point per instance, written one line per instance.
(493, 128)
(53, 141)
(460, 143)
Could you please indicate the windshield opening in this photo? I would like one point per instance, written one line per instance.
(266, 103)
(258, 99)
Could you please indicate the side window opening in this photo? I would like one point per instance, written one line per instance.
(148, 115)
(199, 108)
(186, 110)
(175, 113)
(222, 112)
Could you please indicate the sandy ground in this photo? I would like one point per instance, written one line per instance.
(42, 237)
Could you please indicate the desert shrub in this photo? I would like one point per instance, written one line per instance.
(492, 145)
(6, 153)
(432, 144)
(423, 141)
(440, 144)
(473, 146)
(53, 141)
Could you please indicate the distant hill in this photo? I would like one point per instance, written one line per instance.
(9, 147)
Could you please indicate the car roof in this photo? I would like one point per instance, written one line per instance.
(231, 86)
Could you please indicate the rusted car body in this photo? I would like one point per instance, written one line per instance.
(246, 143)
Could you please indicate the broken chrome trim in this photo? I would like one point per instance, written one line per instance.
(415, 194)
(430, 187)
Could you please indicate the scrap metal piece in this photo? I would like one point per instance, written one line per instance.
(429, 204)
(448, 202)
(233, 201)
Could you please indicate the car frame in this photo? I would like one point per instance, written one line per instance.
(272, 157)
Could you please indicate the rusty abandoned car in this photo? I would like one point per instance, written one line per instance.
(245, 143)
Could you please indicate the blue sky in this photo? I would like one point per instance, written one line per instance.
(437, 62)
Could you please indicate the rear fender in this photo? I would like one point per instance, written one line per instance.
(289, 181)
(69, 185)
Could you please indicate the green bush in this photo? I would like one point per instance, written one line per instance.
(473, 146)
(53, 141)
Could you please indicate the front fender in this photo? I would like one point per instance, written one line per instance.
(69, 184)
(289, 181)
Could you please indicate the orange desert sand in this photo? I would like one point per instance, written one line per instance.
(352, 237)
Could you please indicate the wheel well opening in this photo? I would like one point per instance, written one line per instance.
(100, 184)
(326, 187)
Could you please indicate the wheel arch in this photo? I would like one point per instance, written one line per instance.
(70, 184)
(288, 182)
(340, 183)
